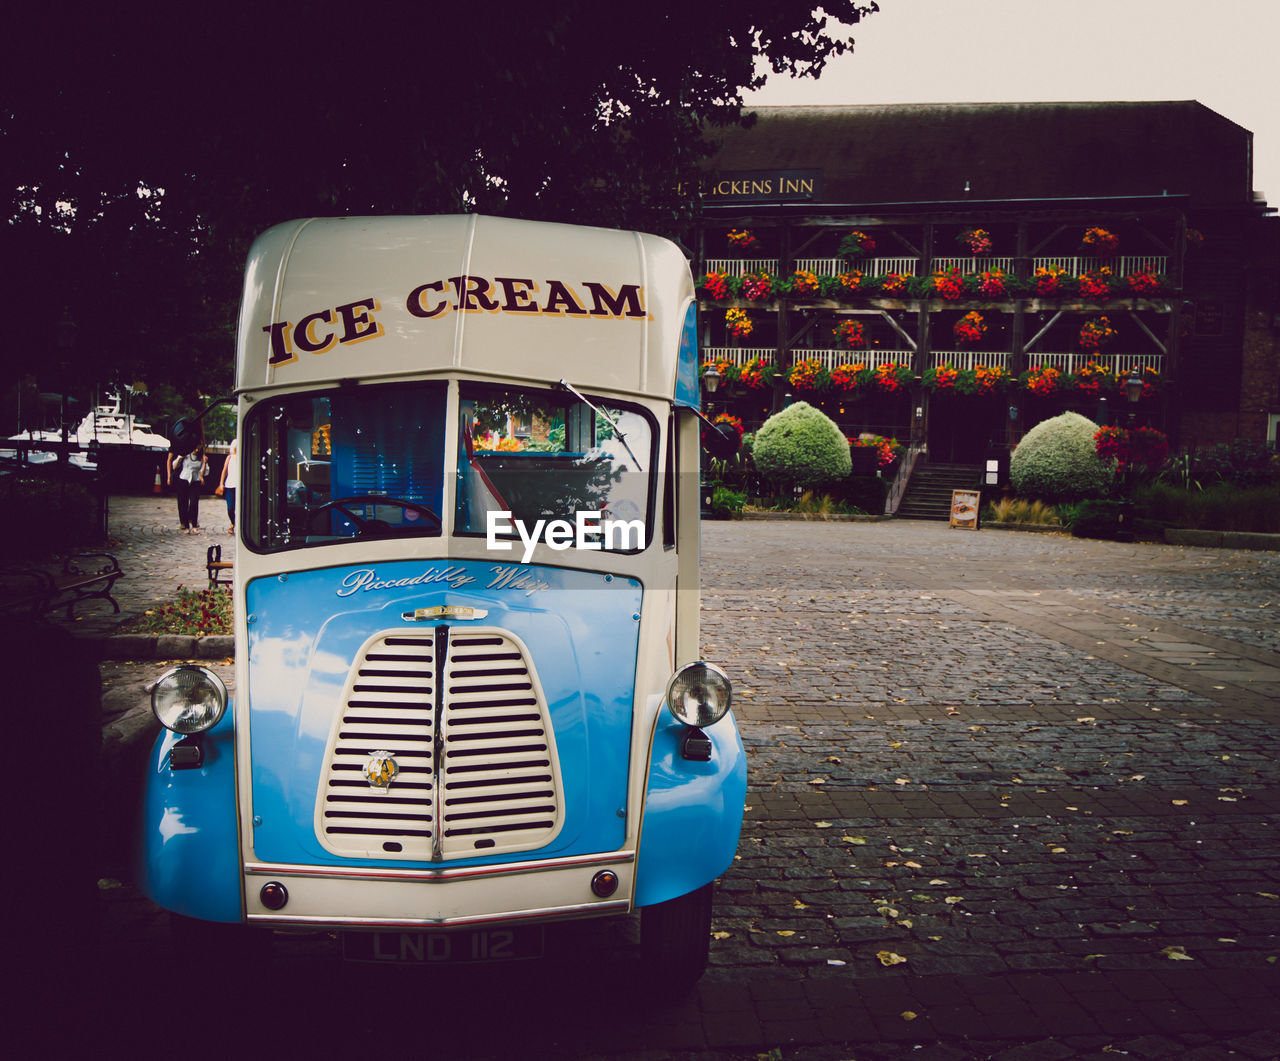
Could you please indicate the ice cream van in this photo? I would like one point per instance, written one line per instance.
(469, 700)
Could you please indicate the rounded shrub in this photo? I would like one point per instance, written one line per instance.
(801, 446)
(1056, 461)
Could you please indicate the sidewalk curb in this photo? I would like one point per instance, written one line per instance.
(163, 646)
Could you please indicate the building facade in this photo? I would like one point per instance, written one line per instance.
(950, 275)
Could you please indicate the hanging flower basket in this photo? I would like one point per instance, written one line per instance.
(737, 323)
(1093, 379)
(994, 284)
(892, 378)
(716, 286)
(809, 376)
(1095, 334)
(978, 240)
(1042, 380)
(970, 329)
(855, 245)
(757, 286)
(757, 374)
(851, 377)
(850, 334)
(743, 239)
(804, 283)
(1100, 242)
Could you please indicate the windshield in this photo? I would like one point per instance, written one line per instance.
(368, 462)
(356, 462)
(526, 456)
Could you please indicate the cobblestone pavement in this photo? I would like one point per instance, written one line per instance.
(1012, 796)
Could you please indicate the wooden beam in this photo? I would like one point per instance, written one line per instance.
(1040, 334)
(898, 328)
(1149, 333)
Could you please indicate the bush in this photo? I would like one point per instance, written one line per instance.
(1220, 507)
(866, 493)
(1239, 463)
(801, 446)
(1056, 461)
(727, 503)
(1097, 519)
(66, 515)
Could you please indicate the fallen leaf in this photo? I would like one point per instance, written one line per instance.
(1179, 802)
(854, 839)
(1087, 720)
(909, 1015)
(885, 910)
(913, 865)
(721, 935)
(834, 961)
(887, 957)
(818, 781)
(1177, 954)
(1268, 895)
(798, 905)
(953, 899)
(937, 880)
(785, 932)
(822, 825)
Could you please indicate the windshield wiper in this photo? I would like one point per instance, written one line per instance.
(611, 421)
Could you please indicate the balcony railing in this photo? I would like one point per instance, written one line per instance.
(1119, 364)
(740, 355)
(1125, 265)
(870, 266)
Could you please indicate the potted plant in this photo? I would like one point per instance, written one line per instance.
(970, 329)
(737, 323)
(850, 334)
(1101, 242)
(742, 239)
(978, 240)
(855, 245)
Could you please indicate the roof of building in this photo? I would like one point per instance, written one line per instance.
(935, 152)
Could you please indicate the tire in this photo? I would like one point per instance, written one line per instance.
(675, 939)
(199, 943)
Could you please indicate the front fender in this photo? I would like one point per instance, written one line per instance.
(692, 814)
(189, 854)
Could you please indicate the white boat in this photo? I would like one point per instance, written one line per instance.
(107, 425)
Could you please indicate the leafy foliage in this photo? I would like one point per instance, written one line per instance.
(142, 155)
(192, 613)
(1055, 461)
(801, 446)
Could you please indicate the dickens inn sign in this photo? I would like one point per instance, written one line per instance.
(759, 186)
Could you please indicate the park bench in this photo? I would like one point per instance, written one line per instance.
(84, 576)
(218, 568)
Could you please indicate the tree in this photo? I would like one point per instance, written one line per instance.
(143, 155)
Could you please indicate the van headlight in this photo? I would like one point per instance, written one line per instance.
(188, 699)
(699, 694)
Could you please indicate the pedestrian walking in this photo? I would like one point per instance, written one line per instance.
(229, 482)
(188, 472)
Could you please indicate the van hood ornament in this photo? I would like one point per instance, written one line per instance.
(459, 612)
(380, 769)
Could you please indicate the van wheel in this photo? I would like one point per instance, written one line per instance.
(199, 943)
(675, 939)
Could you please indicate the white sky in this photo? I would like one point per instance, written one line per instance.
(1224, 53)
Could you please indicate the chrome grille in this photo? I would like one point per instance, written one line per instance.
(462, 714)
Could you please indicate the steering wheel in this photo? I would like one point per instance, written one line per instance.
(377, 528)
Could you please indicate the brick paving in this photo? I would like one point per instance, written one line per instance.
(1012, 796)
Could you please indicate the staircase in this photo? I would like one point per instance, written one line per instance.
(928, 494)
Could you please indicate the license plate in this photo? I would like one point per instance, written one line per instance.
(451, 946)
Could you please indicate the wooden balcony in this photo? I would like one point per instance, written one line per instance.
(1119, 364)
(1125, 265)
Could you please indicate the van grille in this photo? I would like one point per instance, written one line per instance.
(463, 716)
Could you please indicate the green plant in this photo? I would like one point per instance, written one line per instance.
(68, 515)
(1097, 519)
(1022, 510)
(1240, 463)
(801, 446)
(1220, 506)
(727, 503)
(192, 613)
(1056, 461)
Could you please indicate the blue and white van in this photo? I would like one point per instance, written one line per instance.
(469, 699)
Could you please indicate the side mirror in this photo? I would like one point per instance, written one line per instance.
(721, 440)
(184, 436)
